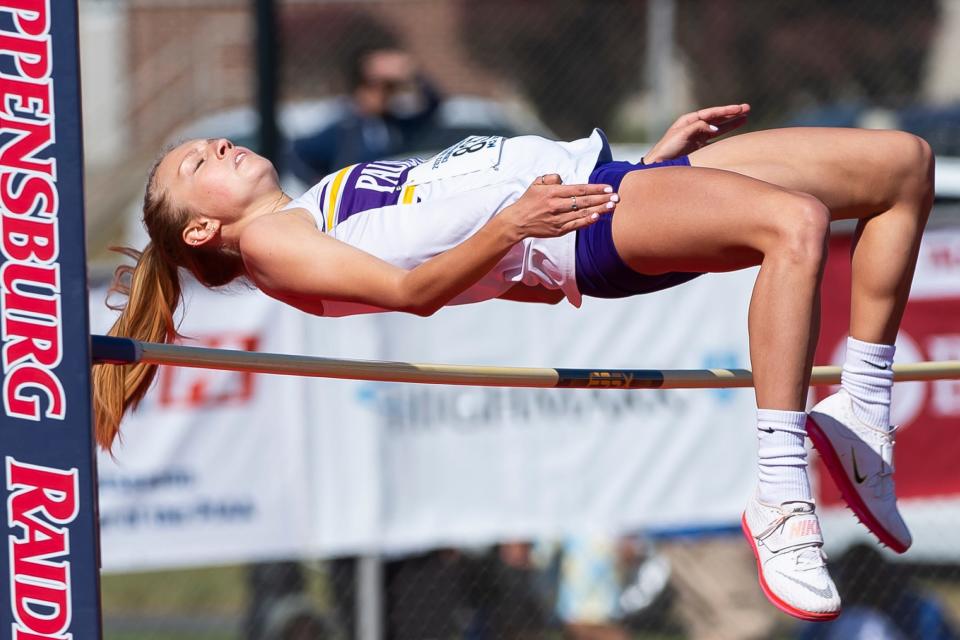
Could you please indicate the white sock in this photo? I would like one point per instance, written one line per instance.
(868, 378)
(782, 456)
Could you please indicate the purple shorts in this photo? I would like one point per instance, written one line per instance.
(601, 273)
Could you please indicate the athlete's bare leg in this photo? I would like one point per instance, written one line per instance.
(882, 178)
(692, 219)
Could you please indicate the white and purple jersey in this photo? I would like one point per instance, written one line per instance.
(407, 211)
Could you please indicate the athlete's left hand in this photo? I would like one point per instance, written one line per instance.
(694, 130)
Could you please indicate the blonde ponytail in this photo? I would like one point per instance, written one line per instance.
(152, 289)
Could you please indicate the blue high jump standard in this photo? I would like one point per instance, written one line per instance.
(50, 587)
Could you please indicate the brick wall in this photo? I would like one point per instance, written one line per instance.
(186, 59)
(190, 58)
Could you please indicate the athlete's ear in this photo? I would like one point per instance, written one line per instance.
(200, 231)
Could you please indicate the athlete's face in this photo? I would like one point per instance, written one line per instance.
(216, 179)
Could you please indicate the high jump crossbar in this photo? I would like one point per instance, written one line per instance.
(110, 350)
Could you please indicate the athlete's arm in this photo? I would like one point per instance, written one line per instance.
(292, 261)
(696, 129)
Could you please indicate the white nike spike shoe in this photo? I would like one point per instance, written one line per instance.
(786, 541)
(860, 461)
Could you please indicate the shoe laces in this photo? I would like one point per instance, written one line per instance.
(808, 555)
(802, 508)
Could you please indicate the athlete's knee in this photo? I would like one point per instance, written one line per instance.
(913, 150)
(912, 160)
(802, 230)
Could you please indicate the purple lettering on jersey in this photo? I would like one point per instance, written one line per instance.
(372, 185)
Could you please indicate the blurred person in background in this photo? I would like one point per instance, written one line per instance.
(711, 609)
(606, 587)
(391, 105)
(279, 608)
(481, 593)
(474, 593)
(583, 579)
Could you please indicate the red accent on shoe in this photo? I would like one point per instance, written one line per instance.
(771, 596)
(847, 490)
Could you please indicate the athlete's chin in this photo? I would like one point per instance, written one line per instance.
(260, 167)
(258, 171)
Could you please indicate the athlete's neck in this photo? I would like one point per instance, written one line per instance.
(264, 206)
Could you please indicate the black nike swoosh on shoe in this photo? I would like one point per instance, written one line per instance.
(856, 472)
(823, 593)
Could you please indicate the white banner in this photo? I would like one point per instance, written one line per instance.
(212, 467)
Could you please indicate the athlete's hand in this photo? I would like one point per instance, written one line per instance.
(694, 130)
(549, 209)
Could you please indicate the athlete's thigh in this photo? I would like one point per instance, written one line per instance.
(696, 219)
(852, 171)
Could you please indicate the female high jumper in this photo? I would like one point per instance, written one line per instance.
(532, 220)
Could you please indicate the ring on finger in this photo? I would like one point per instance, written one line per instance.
(573, 203)
(542, 180)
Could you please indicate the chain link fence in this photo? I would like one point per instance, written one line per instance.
(158, 70)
